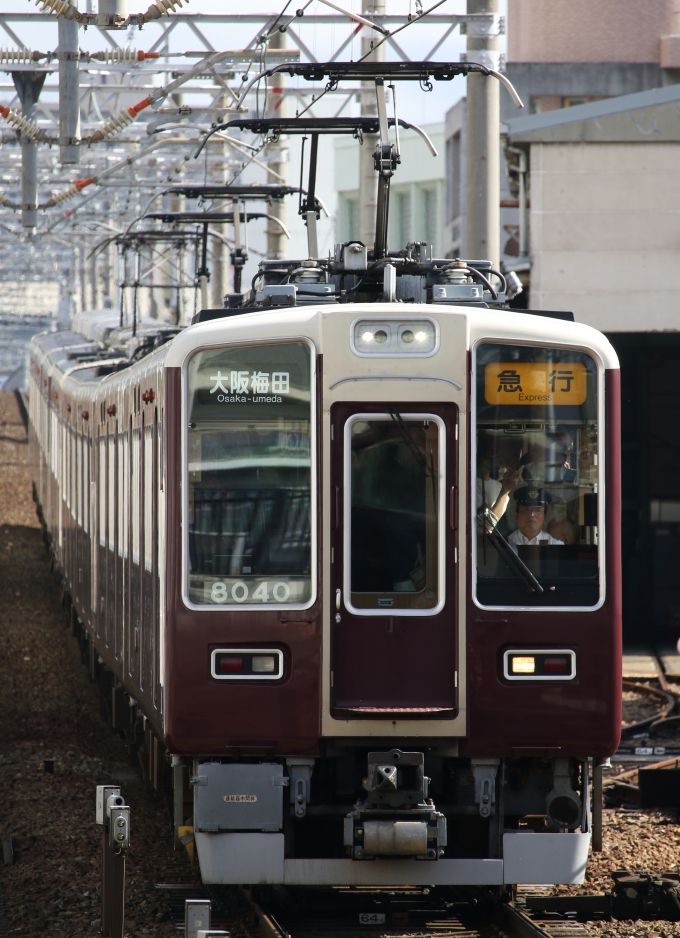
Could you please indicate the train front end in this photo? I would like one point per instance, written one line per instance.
(392, 628)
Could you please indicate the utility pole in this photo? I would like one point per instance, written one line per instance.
(482, 237)
(277, 155)
(69, 91)
(29, 85)
(219, 269)
(368, 178)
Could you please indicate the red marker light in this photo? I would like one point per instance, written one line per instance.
(230, 664)
(556, 664)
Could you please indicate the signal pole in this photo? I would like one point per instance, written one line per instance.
(482, 233)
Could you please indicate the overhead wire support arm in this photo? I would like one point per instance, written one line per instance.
(357, 126)
(370, 71)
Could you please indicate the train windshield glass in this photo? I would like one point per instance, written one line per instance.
(249, 475)
(536, 482)
(395, 511)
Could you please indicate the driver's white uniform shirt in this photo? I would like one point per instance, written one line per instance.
(518, 539)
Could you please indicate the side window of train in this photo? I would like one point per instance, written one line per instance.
(537, 477)
(250, 476)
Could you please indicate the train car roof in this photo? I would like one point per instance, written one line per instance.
(504, 325)
(85, 363)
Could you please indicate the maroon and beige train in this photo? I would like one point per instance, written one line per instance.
(296, 542)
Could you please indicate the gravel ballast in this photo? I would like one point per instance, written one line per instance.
(49, 711)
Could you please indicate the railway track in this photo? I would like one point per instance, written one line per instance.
(417, 912)
(651, 712)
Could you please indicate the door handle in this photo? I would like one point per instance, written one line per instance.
(453, 508)
(338, 597)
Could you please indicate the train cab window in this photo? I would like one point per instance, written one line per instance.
(537, 479)
(394, 513)
(250, 476)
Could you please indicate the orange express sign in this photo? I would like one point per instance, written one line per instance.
(535, 383)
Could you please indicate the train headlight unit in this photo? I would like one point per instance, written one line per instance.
(539, 664)
(408, 336)
(252, 664)
(394, 338)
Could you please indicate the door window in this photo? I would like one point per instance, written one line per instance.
(394, 513)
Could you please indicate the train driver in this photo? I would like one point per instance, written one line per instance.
(494, 494)
(530, 508)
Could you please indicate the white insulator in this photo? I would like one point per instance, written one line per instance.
(21, 56)
(163, 7)
(63, 196)
(27, 128)
(120, 56)
(60, 7)
(113, 125)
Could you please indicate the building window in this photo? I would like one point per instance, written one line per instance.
(454, 181)
(430, 219)
(349, 218)
(401, 219)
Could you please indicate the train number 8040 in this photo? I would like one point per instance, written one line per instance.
(239, 592)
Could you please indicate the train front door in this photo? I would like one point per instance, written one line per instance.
(394, 586)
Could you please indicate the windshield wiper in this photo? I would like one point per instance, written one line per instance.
(517, 565)
(427, 470)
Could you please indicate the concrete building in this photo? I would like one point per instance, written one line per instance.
(570, 52)
(604, 216)
(417, 191)
(563, 54)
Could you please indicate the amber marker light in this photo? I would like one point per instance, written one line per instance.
(539, 664)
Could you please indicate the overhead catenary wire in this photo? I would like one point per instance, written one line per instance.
(79, 184)
(123, 202)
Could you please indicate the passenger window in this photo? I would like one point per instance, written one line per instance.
(394, 512)
(536, 485)
(249, 467)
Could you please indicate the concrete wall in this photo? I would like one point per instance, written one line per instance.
(590, 30)
(543, 86)
(605, 233)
